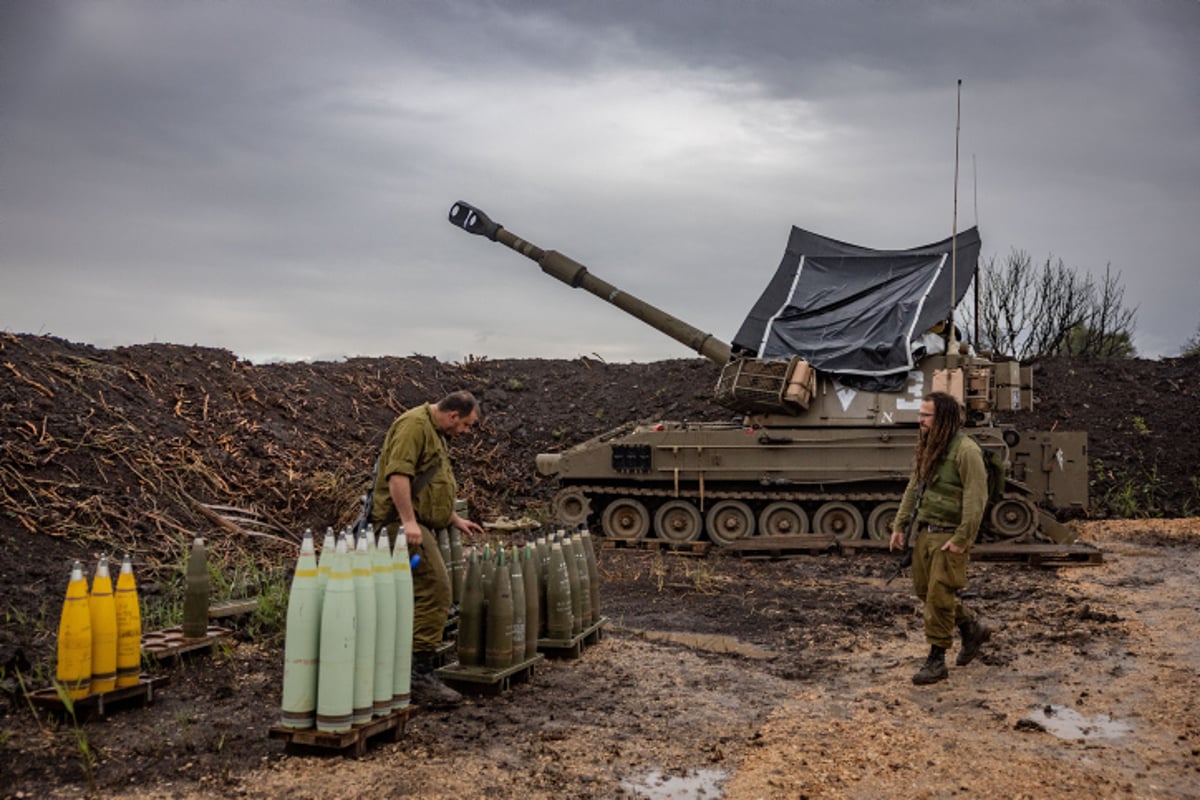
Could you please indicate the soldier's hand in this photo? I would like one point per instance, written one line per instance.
(897, 541)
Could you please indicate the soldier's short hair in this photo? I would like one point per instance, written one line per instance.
(461, 402)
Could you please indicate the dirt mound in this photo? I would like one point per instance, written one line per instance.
(131, 449)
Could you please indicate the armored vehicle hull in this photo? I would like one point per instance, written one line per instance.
(814, 451)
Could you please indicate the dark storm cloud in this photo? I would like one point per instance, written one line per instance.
(273, 177)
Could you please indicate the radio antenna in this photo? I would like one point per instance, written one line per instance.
(951, 341)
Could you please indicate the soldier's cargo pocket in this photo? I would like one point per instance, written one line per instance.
(954, 569)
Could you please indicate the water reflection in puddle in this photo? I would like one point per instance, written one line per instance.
(700, 784)
(1067, 723)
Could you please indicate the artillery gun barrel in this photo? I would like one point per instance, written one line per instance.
(574, 274)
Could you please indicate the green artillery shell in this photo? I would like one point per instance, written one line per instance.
(532, 609)
(498, 635)
(364, 642)
(443, 540)
(487, 563)
(335, 680)
(585, 583)
(385, 625)
(589, 551)
(402, 666)
(195, 597)
(573, 577)
(518, 601)
(470, 614)
(558, 596)
(456, 566)
(302, 642)
(328, 548)
(542, 556)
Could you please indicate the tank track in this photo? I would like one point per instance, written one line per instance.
(591, 503)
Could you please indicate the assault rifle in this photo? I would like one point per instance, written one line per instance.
(907, 559)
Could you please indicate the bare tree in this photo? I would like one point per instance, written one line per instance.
(1027, 313)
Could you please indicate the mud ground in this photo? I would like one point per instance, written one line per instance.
(718, 677)
(738, 679)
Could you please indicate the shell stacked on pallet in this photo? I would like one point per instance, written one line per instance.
(196, 592)
(572, 585)
(301, 647)
(74, 667)
(348, 645)
(129, 627)
(103, 609)
(99, 632)
(500, 613)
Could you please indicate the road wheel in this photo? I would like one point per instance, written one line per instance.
(782, 519)
(626, 518)
(678, 521)
(1012, 518)
(879, 523)
(842, 520)
(730, 520)
(571, 507)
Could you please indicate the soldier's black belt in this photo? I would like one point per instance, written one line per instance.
(938, 528)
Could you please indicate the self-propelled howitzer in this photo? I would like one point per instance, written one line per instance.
(817, 452)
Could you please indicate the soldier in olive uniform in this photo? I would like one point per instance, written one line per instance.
(415, 487)
(949, 465)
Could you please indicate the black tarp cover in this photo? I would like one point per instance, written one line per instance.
(854, 311)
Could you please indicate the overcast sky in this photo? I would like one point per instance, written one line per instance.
(274, 177)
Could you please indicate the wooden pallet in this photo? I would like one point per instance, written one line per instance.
(679, 548)
(232, 608)
(100, 704)
(1039, 554)
(485, 680)
(779, 546)
(573, 647)
(170, 643)
(356, 738)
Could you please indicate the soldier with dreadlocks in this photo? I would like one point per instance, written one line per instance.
(948, 509)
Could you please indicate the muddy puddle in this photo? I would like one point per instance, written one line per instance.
(1067, 723)
(700, 784)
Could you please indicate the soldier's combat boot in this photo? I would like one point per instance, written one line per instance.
(974, 634)
(934, 669)
(427, 690)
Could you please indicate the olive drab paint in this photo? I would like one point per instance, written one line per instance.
(559, 624)
(518, 603)
(498, 634)
(364, 641)
(103, 609)
(573, 579)
(195, 597)
(470, 614)
(532, 610)
(589, 551)
(74, 666)
(542, 556)
(585, 583)
(456, 566)
(443, 542)
(335, 681)
(402, 666)
(385, 624)
(129, 627)
(302, 640)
